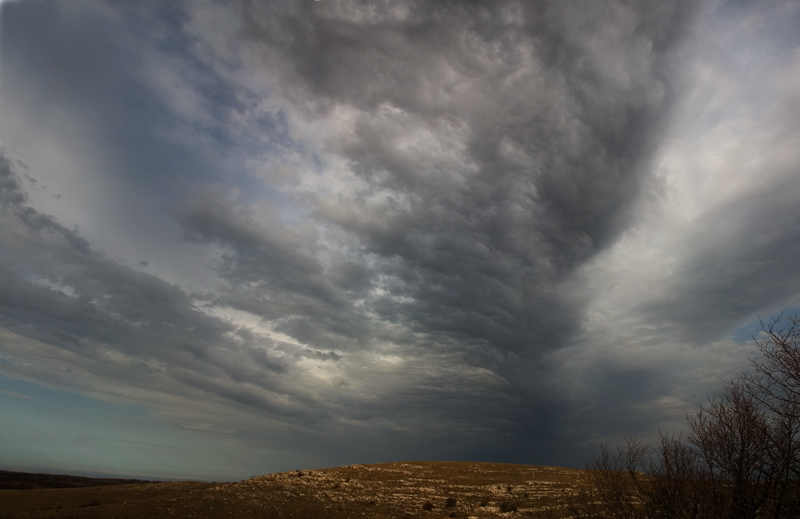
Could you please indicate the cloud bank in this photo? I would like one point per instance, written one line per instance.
(349, 231)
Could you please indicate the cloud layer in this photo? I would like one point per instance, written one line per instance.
(363, 231)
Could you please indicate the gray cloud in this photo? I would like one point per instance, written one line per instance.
(494, 149)
(473, 230)
(742, 258)
(555, 108)
(57, 290)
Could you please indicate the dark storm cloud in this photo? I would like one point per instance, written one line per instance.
(492, 148)
(389, 208)
(538, 121)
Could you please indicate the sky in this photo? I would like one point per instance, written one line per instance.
(241, 237)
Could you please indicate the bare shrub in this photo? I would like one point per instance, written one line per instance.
(616, 479)
(676, 488)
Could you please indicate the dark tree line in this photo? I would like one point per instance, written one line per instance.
(740, 458)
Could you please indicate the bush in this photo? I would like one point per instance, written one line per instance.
(450, 503)
(428, 506)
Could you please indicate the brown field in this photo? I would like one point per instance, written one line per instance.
(386, 490)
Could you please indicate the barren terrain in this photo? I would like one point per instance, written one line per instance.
(386, 490)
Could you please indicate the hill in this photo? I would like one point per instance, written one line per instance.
(25, 480)
(385, 490)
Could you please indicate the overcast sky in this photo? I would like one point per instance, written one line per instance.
(238, 237)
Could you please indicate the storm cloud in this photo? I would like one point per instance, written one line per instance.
(343, 231)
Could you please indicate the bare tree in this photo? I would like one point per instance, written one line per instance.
(731, 439)
(617, 481)
(776, 386)
(676, 488)
(740, 460)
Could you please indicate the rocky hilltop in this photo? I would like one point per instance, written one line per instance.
(386, 490)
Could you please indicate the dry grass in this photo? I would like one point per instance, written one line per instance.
(386, 490)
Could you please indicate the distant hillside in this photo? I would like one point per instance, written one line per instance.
(424, 489)
(26, 480)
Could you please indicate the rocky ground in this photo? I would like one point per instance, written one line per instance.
(387, 490)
